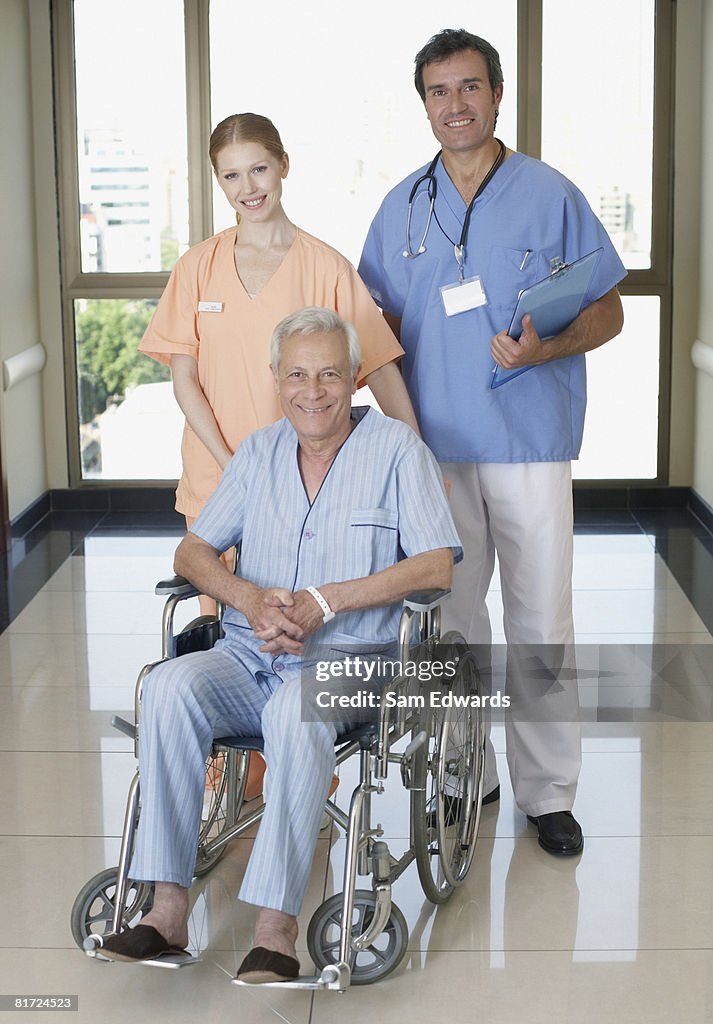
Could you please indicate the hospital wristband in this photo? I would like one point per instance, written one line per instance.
(327, 612)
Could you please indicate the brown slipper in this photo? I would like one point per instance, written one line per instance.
(264, 965)
(136, 944)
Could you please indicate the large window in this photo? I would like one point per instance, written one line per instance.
(131, 142)
(598, 123)
(622, 422)
(138, 94)
(598, 112)
(342, 96)
(125, 223)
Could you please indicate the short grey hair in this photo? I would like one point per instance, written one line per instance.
(315, 320)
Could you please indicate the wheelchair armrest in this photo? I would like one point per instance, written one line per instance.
(177, 586)
(417, 600)
(425, 600)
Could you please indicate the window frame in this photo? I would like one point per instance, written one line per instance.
(656, 279)
(76, 284)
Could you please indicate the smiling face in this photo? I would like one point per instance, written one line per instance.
(315, 385)
(251, 178)
(460, 103)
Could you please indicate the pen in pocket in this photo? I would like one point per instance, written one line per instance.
(525, 258)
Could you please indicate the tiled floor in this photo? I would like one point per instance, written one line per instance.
(625, 932)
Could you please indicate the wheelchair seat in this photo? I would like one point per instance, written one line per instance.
(363, 735)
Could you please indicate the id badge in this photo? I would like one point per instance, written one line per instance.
(463, 295)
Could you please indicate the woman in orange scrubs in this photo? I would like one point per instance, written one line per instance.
(225, 296)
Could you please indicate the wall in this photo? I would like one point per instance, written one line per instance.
(703, 443)
(47, 244)
(686, 236)
(22, 406)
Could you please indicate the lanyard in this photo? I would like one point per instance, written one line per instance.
(459, 247)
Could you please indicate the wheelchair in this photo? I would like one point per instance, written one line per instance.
(359, 935)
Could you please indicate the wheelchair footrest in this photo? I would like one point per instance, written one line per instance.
(93, 947)
(171, 960)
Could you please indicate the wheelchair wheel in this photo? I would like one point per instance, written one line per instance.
(448, 778)
(221, 806)
(93, 909)
(369, 965)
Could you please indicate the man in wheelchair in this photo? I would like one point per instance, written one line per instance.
(339, 513)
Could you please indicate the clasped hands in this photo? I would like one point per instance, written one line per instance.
(528, 350)
(283, 619)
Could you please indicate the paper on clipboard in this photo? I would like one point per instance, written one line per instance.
(553, 304)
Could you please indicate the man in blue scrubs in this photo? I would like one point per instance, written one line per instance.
(448, 287)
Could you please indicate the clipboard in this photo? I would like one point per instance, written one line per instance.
(553, 303)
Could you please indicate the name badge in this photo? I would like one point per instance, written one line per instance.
(463, 295)
(210, 307)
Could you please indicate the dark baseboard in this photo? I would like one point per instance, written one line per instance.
(162, 499)
(702, 510)
(114, 499)
(32, 515)
(631, 497)
(94, 499)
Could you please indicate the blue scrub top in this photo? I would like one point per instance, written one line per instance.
(527, 206)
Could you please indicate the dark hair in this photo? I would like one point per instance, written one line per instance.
(245, 128)
(449, 42)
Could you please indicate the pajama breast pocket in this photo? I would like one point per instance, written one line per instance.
(373, 540)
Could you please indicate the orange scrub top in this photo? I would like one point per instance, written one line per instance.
(205, 312)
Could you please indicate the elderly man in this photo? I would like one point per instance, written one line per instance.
(340, 512)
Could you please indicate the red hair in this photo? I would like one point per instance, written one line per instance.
(245, 128)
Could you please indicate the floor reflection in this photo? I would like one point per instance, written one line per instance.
(628, 924)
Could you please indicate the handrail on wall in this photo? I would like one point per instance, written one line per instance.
(23, 365)
(702, 357)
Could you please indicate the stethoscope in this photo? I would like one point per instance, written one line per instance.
(432, 191)
(430, 177)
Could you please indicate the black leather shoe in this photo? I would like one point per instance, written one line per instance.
(559, 833)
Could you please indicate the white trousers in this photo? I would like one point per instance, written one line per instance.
(223, 692)
(522, 511)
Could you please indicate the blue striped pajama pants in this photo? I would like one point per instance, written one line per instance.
(226, 692)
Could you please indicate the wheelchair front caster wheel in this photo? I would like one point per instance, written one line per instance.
(93, 909)
(379, 959)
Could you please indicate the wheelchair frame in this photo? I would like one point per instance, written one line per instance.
(445, 750)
